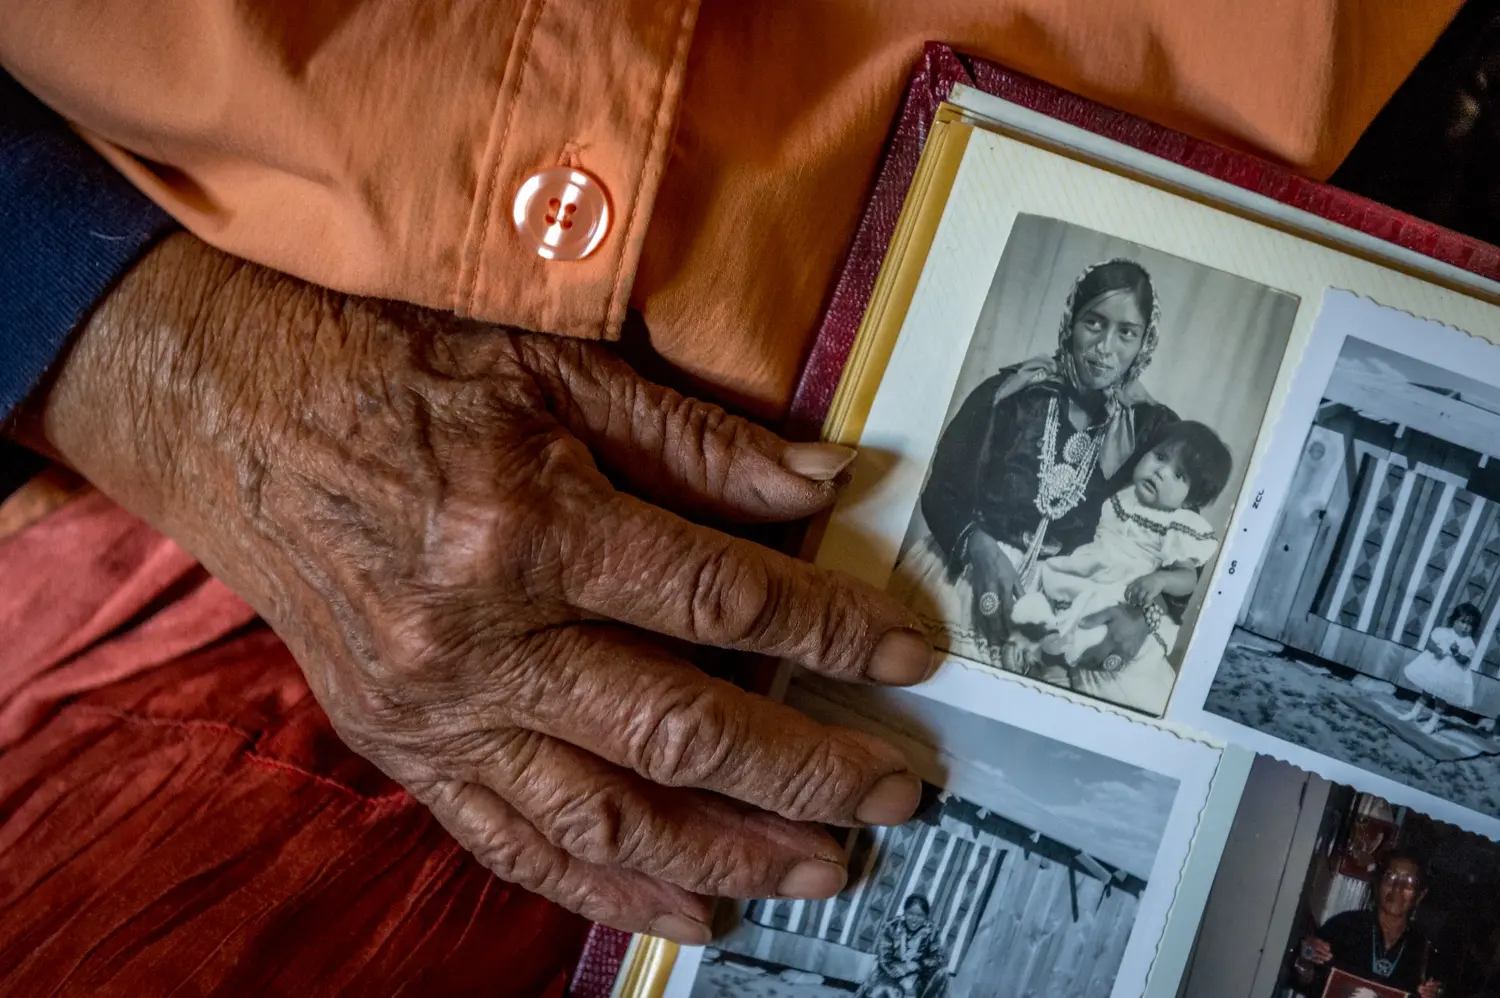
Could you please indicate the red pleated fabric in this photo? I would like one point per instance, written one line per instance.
(178, 817)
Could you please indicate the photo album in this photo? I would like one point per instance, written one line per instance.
(1197, 492)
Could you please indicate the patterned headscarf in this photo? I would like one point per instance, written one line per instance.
(1118, 444)
(1070, 315)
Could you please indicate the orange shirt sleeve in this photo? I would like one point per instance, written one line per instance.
(376, 146)
(788, 105)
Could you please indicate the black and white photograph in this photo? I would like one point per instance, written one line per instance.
(1023, 873)
(1367, 632)
(1090, 461)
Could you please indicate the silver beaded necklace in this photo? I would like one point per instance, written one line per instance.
(1060, 484)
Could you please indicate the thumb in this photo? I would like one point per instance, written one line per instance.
(676, 451)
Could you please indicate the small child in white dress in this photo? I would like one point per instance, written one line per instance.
(1151, 540)
(1443, 672)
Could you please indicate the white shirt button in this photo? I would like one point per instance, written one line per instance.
(562, 213)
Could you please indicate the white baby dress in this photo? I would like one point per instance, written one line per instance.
(1443, 675)
(1132, 540)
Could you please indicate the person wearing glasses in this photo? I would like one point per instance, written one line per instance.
(1379, 944)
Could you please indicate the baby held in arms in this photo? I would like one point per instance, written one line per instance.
(1151, 541)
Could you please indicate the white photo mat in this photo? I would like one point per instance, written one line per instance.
(1192, 762)
(988, 110)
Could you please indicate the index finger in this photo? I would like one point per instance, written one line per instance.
(617, 695)
(637, 564)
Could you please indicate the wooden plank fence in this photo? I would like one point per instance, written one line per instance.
(1379, 539)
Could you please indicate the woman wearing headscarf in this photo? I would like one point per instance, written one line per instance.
(1023, 470)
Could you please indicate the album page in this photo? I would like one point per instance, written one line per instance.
(1121, 461)
(1351, 692)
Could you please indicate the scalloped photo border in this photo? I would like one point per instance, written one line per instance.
(1342, 315)
(1186, 757)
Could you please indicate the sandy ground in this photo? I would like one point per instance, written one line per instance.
(1286, 699)
(720, 979)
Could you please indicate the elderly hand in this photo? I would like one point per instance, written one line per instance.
(1126, 631)
(414, 504)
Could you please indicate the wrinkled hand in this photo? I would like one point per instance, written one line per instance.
(1430, 989)
(414, 505)
(1126, 631)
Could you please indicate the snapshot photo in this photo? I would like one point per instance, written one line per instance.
(1089, 464)
(1383, 900)
(1362, 644)
(1034, 866)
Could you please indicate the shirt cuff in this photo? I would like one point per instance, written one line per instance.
(595, 87)
(69, 227)
(383, 158)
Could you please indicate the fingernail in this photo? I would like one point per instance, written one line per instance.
(891, 801)
(681, 929)
(902, 658)
(820, 462)
(813, 880)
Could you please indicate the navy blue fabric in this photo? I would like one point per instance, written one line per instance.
(70, 226)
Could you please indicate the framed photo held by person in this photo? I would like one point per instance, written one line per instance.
(1342, 984)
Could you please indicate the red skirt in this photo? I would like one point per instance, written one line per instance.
(177, 815)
